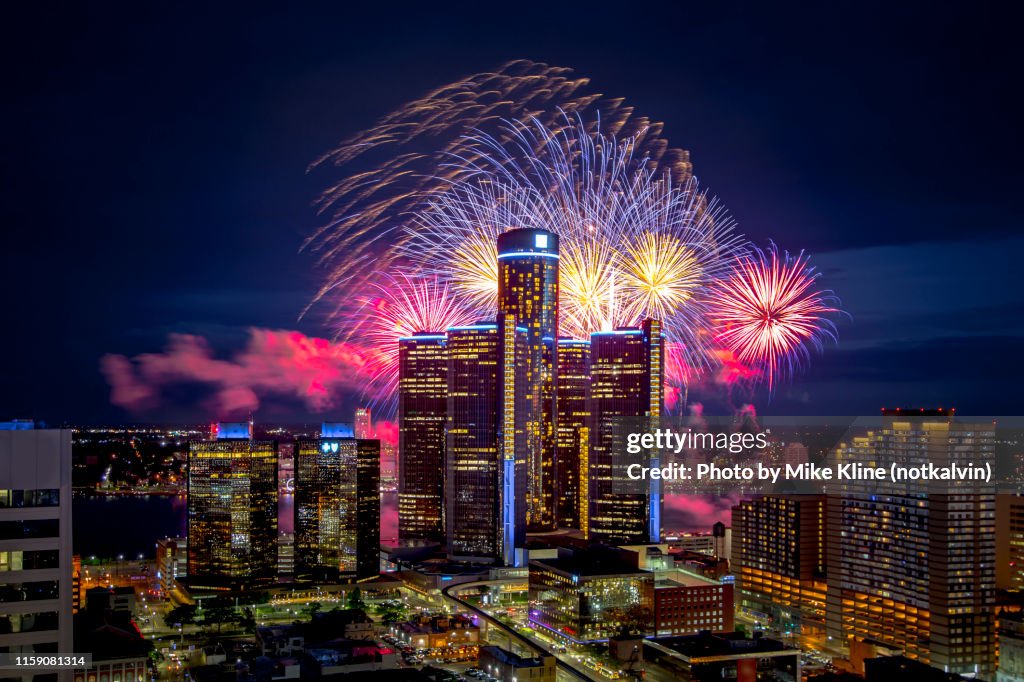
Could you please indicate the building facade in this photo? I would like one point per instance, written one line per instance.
(232, 508)
(686, 603)
(337, 506)
(171, 563)
(528, 291)
(586, 595)
(1010, 542)
(422, 414)
(626, 381)
(779, 558)
(35, 540)
(572, 392)
(364, 423)
(913, 566)
(485, 453)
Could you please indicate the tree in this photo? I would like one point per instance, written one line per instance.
(313, 608)
(355, 600)
(391, 612)
(180, 615)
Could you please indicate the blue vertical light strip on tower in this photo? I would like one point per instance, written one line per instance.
(508, 516)
(654, 500)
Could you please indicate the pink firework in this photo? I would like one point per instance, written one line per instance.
(401, 305)
(769, 315)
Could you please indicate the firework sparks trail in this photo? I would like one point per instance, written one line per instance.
(400, 305)
(429, 188)
(769, 315)
(366, 210)
(635, 244)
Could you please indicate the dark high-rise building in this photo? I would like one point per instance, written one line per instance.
(232, 508)
(778, 549)
(337, 506)
(484, 456)
(911, 566)
(625, 381)
(528, 290)
(572, 390)
(422, 412)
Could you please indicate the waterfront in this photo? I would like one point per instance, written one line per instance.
(108, 526)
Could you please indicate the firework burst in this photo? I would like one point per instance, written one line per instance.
(428, 190)
(402, 305)
(634, 243)
(393, 167)
(769, 314)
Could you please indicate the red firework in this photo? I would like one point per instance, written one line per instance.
(769, 314)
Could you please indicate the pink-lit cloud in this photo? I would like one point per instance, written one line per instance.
(386, 431)
(697, 512)
(274, 363)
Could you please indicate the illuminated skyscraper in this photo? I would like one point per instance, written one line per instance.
(625, 381)
(487, 418)
(912, 566)
(572, 390)
(232, 508)
(778, 550)
(337, 506)
(422, 412)
(1010, 542)
(528, 290)
(364, 423)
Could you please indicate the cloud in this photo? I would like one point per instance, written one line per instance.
(690, 512)
(274, 363)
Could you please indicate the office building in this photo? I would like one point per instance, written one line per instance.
(485, 454)
(779, 559)
(337, 506)
(586, 595)
(171, 563)
(625, 382)
(794, 454)
(1010, 542)
(572, 390)
(232, 509)
(686, 603)
(1011, 647)
(422, 414)
(364, 424)
(729, 657)
(502, 664)
(528, 291)
(35, 540)
(912, 566)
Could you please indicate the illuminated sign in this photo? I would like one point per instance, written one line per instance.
(540, 241)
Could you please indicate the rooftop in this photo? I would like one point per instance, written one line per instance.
(706, 644)
(594, 561)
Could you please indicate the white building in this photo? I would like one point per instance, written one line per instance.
(35, 540)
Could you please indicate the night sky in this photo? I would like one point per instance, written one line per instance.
(154, 172)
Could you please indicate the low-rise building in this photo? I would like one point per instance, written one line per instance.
(587, 595)
(505, 665)
(437, 632)
(346, 657)
(119, 652)
(725, 657)
(324, 627)
(685, 604)
(171, 563)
